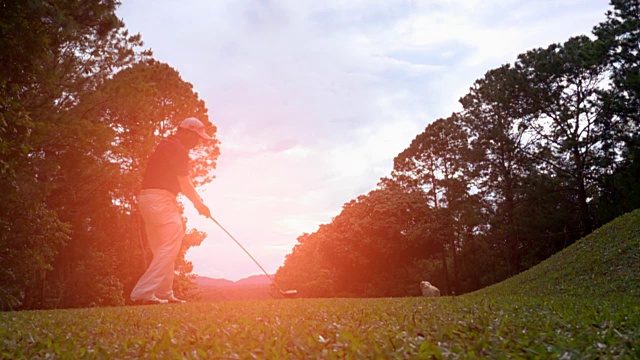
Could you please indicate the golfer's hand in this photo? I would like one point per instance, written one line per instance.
(203, 210)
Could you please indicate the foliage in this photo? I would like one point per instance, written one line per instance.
(496, 113)
(92, 283)
(619, 35)
(81, 109)
(373, 240)
(27, 248)
(305, 269)
(184, 284)
(52, 53)
(137, 107)
(545, 150)
(437, 163)
(564, 81)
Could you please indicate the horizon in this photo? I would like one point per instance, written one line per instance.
(250, 276)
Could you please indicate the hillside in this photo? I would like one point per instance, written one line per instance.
(254, 287)
(205, 281)
(604, 263)
(254, 280)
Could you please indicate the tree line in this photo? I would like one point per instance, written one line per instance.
(82, 105)
(544, 150)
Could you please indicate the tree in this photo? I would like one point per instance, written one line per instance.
(436, 162)
(51, 54)
(305, 269)
(369, 249)
(545, 149)
(124, 119)
(619, 35)
(564, 82)
(496, 116)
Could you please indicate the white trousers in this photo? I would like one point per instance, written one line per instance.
(163, 223)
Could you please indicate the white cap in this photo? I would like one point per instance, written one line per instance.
(196, 126)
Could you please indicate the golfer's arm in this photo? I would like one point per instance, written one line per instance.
(186, 187)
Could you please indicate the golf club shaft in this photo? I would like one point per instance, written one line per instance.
(245, 250)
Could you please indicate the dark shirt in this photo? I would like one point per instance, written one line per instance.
(169, 160)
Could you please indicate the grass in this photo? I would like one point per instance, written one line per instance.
(604, 263)
(579, 304)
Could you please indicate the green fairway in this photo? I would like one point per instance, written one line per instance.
(579, 304)
(333, 328)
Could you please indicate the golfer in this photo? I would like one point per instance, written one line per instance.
(166, 175)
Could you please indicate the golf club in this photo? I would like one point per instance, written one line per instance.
(288, 293)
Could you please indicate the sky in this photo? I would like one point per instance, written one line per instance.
(314, 99)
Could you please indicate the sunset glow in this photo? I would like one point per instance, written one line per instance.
(313, 100)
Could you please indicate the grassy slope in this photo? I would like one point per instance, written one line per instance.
(580, 303)
(604, 263)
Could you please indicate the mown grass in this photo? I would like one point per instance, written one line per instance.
(579, 304)
(333, 329)
(604, 263)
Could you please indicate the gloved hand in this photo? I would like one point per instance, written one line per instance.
(203, 210)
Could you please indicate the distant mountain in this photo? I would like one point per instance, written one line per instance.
(250, 288)
(254, 280)
(204, 281)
